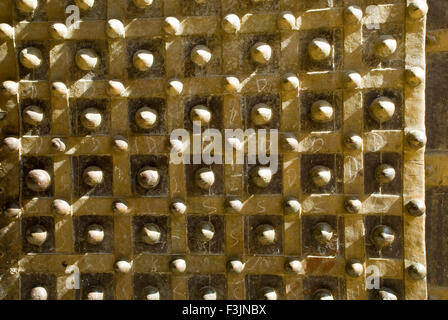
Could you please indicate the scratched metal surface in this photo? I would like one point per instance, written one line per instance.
(295, 265)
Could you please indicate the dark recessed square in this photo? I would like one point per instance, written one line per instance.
(308, 98)
(39, 73)
(396, 122)
(271, 100)
(256, 286)
(80, 164)
(196, 244)
(28, 281)
(31, 163)
(336, 286)
(156, 47)
(77, 112)
(103, 282)
(138, 223)
(207, 8)
(312, 247)
(394, 285)
(161, 282)
(100, 71)
(158, 105)
(334, 62)
(212, 103)
(371, 161)
(158, 162)
(212, 67)
(371, 34)
(395, 251)
(274, 187)
(194, 190)
(42, 128)
(154, 10)
(248, 65)
(251, 230)
(198, 285)
(332, 161)
(45, 223)
(81, 226)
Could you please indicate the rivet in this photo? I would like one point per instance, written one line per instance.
(171, 25)
(352, 205)
(231, 84)
(178, 207)
(148, 177)
(12, 210)
(294, 265)
(231, 23)
(261, 114)
(59, 89)
(151, 233)
(120, 144)
(61, 207)
(323, 232)
(31, 58)
(142, 4)
(321, 111)
(414, 76)
(290, 82)
(27, 6)
(209, 293)
(384, 173)
(261, 53)
(95, 293)
(261, 176)
(353, 142)
(122, 266)
(320, 175)
(201, 114)
(120, 207)
(382, 109)
(201, 55)
(416, 139)
(205, 231)
(143, 60)
(354, 268)
(6, 31)
(235, 265)
(292, 206)
(175, 87)
(385, 46)
(10, 88)
(33, 115)
(352, 80)
(323, 294)
(234, 204)
(353, 14)
(151, 293)
(417, 9)
(415, 207)
(93, 176)
(269, 293)
(319, 49)
(265, 234)
(85, 4)
(115, 88)
(37, 235)
(58, 31)
(91, 118)
(289, 143)
(286, 21)
(417, 271)
(382, 236)
(10, 144)
(386, 294)
(178, 265)
(115, 29)
(146, 118)
(38, 180)
(39, 293)
(95, 234)
(86, 59)
(204, 178)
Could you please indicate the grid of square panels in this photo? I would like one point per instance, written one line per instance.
(95, 193)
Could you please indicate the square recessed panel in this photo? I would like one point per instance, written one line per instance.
(158, 105)
(154, 46)
(266, 100)
(311, 245)
(248, 65)
(39, 48)
(396, 121)
(36, 107)
(100, 49)
(214, 106)
(308, 98)
(373, 249)
(81, 108)
(372, 33)
(212, 67)
(193, 188)
(36, 163)
(28, 281)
